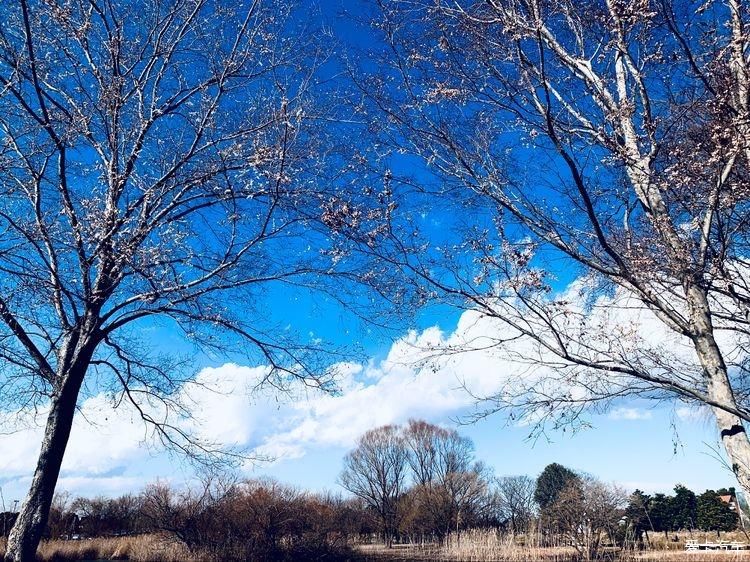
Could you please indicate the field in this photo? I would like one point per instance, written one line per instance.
(484, 546)
(140, 548)
(553, 554)
(473, 546)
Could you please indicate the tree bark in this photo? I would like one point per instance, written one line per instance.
(32, 519)
(719, 388)
(734, 438)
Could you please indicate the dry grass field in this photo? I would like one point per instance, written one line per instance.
(140, 548)
(468, 553)
(658, 541)
(488, 546)
(552, 554)
(472, 546)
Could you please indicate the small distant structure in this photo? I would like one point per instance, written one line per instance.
(730, 500)
(695, 546)
(733, 503)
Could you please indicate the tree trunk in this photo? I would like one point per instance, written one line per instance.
(735, 440)
(32, 519)
(731, 429)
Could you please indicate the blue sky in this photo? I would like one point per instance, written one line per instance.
(636, 453)
(637, 444)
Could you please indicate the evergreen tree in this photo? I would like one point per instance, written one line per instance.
(637, 514)
(661, 513)
(551, 482)
(684, 508)
(713, 514)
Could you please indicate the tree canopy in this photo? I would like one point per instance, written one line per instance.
(551, 482)
(714, 514)
(601, 145)
(161, 163)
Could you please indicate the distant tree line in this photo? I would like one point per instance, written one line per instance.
(221, 519)
(417, 482)
(422, 482)
(713, 510)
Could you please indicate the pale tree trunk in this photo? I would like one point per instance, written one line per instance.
(733, 436)
(719, 389)
(32, 519)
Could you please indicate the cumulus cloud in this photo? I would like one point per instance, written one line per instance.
(101, 437)
(413, 381)
(103, 442)
(230, 410)
(630, 414)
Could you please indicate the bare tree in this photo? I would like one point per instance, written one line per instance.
(158, 161)
(226, 519)
(101, 516)
(602, 139)
(587, 512)
(516, 501)
(62, 517)
(377, 471)
(468, 496)
(422, 439)
(452, 486)
(191, 516)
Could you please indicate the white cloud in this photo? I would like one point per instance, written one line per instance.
(102, 437)
(408, 383)
(104, 485)
(228, 410)
(633, 414)
(691, 413)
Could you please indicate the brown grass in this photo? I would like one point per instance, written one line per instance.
(435, 554)
(471, 546)
(139, 548)
(489, 546)
(475, 546)
(534, 554)
(702, 556)
(480, 545)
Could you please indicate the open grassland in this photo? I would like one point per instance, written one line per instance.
(551, 554)
(470, 546)
(489, 546)
(163, 548)
(140, 548)
(658, 541)
(467, 554)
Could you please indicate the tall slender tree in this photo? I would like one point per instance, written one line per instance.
(604, 141)
(157, 160)
(684, 508)
(377, 471)
(453, 486)
(516, 501)
(638, 517)
(660, 512)
(551, 482)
